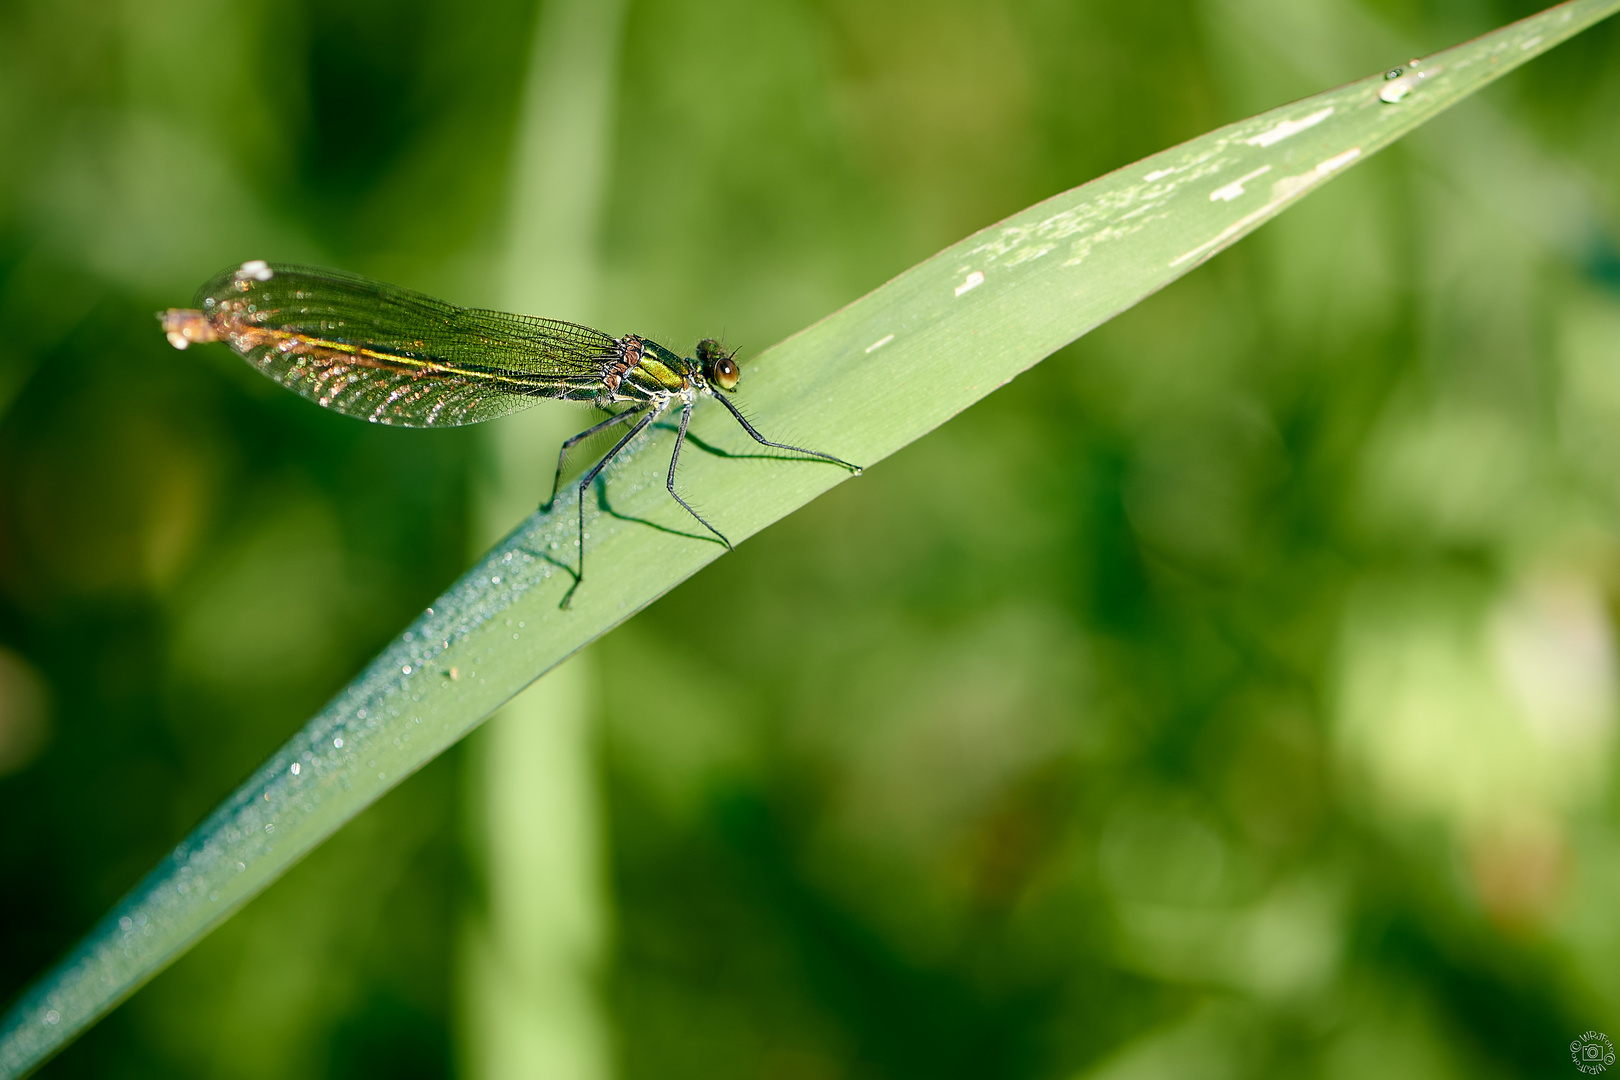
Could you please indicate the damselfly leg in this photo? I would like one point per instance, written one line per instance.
(763, 441)
(574, 440)
(584, 485)
(674, 460)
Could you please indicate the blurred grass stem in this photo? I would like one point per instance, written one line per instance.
(532, 957)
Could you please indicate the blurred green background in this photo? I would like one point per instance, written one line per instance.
(1233, 695)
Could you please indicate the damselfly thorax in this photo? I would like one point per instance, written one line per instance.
(392, 356)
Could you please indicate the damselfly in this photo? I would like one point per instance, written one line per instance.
(392, 356)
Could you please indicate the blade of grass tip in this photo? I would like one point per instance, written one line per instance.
(861, 383)
(1485, 155)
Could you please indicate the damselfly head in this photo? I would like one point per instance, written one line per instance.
(719, 367)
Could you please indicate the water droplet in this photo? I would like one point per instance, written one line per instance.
(296, 768)
(496, 580)
(126, 923)
(270, 827)
(338, 742)
(406, 669)
(52, 1016)
(1393, 73)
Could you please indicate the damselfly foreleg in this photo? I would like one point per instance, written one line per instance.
(757, 437)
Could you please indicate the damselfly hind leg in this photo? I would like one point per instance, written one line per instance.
(573, 441)
(595, 471)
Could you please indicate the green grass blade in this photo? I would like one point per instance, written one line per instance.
(861, 383)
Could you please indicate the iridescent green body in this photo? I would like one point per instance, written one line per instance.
(392, 356)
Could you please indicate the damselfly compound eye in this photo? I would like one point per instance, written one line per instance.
(726, 373)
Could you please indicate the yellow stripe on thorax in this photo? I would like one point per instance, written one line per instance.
(661, 373)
